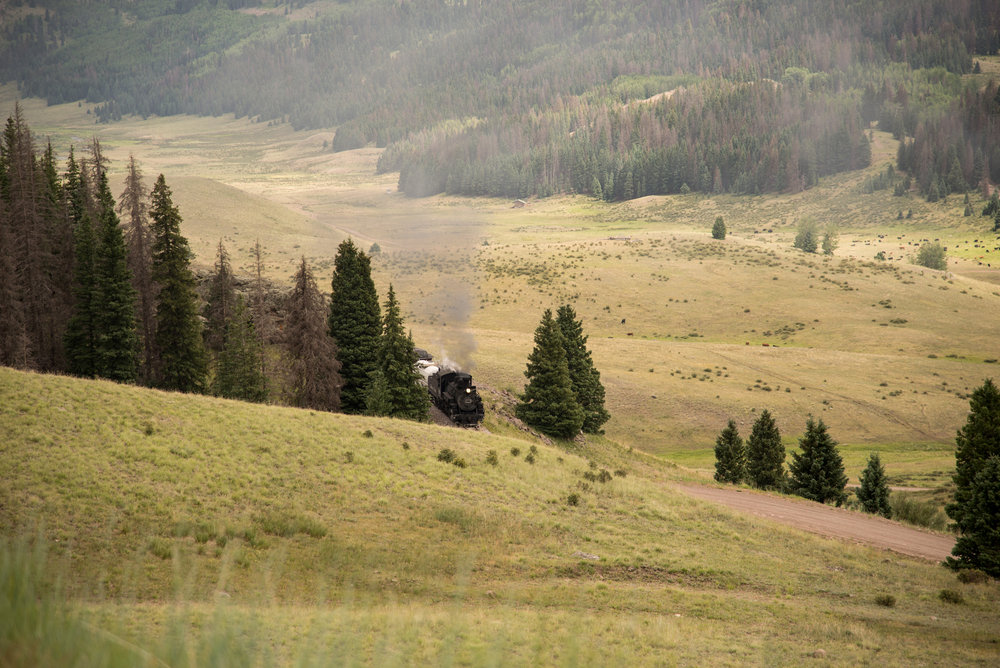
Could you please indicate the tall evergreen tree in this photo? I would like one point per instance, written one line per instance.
(314, 380)
(396, 390)
(133, 205)
(354, 323)
(548, 403)
(117, 340)
(584, 376)
(975, 443)
(818, 471)
(730, 456)
(81, 333)
(979, 544)
(719, 228)
(80, 336)
(873, 492)
(238, 373)
(183, 365)
(15, 348)
(221, 301)
(263, 323)
(765, 454)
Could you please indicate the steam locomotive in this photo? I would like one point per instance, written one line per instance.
(451, 391)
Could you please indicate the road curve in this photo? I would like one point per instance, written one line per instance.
(829, 521)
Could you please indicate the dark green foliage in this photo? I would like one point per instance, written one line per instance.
(979, 545)
(221, 301)
(314, 371)
(238, 373)
(133, 205)
(548, 403)
(977, 446)
(117, 339)
(396, 390)
(886, 600)
(183, 363)
(933, 256)
(584, 376)
(951, 596)
(355, 324)
(765, 454)
(730, 456)
(807, 238)
(719, 229)
(817, 472)
(81, 334)
(874, 490)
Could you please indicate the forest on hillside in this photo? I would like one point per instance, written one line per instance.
(531, 97)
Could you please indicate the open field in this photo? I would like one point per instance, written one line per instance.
(711, 329)
(311, 535)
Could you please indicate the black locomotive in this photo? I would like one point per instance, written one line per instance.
(451, 391)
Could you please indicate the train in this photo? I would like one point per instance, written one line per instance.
(451, 391)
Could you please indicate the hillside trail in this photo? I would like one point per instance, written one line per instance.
(830, 522)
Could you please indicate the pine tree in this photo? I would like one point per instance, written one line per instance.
(975, 443)
(765, 454)
(239, 373)
(133, 205)
(818, 471)
(354, 323)
(719, 229)
(314, 380)
(80, 340)
(117, 341)
(15, 348)
(396, 390)
(584, 376)
(183, 365)
(730, 456)
(874, 490)
(979, 544)
(548, 403)
(263, 323)
(221, 301)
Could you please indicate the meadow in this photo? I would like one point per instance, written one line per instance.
(196, 531)
(190, 526)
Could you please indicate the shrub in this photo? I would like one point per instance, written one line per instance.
(530, 458)
(886, 600)
(921, 513)
(573, 499)
(951, 596)
(515, 452)
(491, 458)
(367, 433)
(932, 256)
(446, 455)
(972, 576)
(719, 229)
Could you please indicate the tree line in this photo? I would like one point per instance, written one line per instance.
(816, 472)
(550, 88)
(103, 288)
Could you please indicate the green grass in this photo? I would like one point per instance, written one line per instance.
(196, 527)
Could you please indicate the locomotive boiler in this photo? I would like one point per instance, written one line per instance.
(451, 391)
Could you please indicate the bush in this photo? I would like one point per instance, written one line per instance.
(886, 600)
(719, 229)
(907, 509)
(573, 499)
(515, 452)
(491, 458)
(446, 455)
(972, 576)
(932, 256)
(951, 596)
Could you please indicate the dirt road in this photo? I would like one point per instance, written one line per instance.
(830, 521)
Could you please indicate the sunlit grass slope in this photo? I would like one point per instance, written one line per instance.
(288, 535)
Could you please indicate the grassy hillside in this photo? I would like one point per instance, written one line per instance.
(190, 526)
(869, 346)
